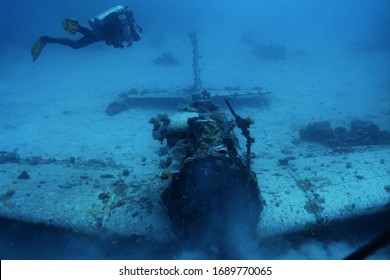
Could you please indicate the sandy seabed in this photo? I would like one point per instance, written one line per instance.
(54, 108)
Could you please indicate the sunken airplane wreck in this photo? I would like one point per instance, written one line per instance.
(213, 198)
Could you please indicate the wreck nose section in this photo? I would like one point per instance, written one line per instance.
(213, 199)
(214, 202)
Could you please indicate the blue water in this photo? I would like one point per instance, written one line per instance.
(320, 24)
(309, 26)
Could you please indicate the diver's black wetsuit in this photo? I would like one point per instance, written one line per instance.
(110, 33)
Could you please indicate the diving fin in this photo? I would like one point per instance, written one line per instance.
(71, 25)
(37, 48)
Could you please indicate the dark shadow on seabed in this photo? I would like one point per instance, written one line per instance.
(19, 240)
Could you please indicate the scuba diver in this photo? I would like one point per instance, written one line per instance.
(115, 27)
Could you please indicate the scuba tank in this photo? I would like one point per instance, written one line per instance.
(125, 29)
(98, 20)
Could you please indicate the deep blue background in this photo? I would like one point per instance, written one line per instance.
(307, 24)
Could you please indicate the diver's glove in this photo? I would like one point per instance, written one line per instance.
(71, 25)
(38, 47)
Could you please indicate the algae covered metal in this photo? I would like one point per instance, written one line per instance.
(213, 198)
